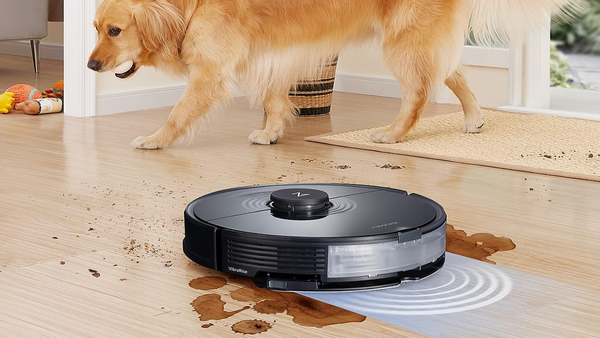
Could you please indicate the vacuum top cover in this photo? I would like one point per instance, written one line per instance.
(317, 210)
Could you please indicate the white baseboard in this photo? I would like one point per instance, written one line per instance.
(108, 104)
(23, 48)
(367, 85)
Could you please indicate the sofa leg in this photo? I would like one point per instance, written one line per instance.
(35, 52)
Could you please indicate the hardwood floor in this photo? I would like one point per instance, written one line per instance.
(19, 70)
(77, 199)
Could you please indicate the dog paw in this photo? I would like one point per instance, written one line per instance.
(473, 126)
(385, 135)
(264, 137)
(146, 142)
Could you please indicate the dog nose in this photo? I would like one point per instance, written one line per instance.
(94, 65)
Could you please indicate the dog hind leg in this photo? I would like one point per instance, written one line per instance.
(473, 119)
(414, 69)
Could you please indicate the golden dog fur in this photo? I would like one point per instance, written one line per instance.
(266, 46)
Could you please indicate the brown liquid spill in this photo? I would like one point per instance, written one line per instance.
(477, 246)
(208, 283)
(211, 307)
(304, 310)
(270, 306)
(206, 326)
(251, 326)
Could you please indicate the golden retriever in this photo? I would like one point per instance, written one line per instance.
(266, 46)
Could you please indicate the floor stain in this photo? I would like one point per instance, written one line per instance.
(270, 306)
(211, 307)
(251, 326)
(208, 283)
(206, 326)
(305, 311)
(477, 246)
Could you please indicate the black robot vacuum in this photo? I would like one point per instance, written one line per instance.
(313, 237)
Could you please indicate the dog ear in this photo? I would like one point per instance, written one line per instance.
(161, 26)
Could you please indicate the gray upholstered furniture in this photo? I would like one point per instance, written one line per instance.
(25, 20)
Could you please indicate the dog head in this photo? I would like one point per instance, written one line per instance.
(130, 32)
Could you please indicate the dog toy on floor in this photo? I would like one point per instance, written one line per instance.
(31, 101)
(7, 102)
(57, 90)
(24, 92)
(41, 106)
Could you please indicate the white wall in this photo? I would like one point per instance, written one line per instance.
(55, 34)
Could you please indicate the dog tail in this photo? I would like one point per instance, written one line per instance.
(497, 22)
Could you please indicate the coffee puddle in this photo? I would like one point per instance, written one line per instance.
(251, 326)
(477, 246)
(305, 311)
(211, 307)
(208, 283)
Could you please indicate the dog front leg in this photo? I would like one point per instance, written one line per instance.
(205, 90)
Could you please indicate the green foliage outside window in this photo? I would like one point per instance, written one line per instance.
(581, 35)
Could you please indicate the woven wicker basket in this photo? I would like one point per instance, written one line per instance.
(314, 96)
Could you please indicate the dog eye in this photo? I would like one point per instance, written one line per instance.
(114, 31)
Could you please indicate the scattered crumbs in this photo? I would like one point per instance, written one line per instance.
(549, 200)
(392, 167)
(343, 166)
(94, 273)
(94, 250)
(88, 209)
(547, 156)
(115, 265)
(91, 229)
(54, 237)
(162, 307)
(292, 162)
(525, 178)
(62, 262)
(590, 155)
(531, 189)
(168, 264)
(122, 279)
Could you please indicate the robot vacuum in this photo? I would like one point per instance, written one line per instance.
(317, 237)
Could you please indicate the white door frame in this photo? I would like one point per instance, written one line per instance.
(80, 39)
(529, 73)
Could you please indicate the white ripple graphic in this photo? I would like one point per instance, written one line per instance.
(450, 290)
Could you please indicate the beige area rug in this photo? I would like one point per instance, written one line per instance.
(534, 143)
